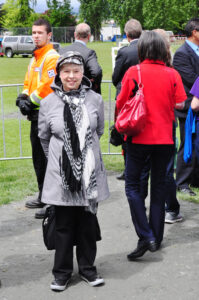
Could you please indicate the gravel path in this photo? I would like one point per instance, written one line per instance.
(170, 273)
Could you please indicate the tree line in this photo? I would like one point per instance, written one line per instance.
(19, 13)
(167, 14)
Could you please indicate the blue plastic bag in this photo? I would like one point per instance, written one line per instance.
(190, 128)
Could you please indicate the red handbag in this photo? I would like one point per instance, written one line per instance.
(131, 120)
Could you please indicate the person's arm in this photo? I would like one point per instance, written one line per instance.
(48, 75)
(117, 73)
(25, 88)
(179, 91)
(195, 92)
(44, 132)
(126, 92)
(100, 121)
(180, 106)
(94, 70)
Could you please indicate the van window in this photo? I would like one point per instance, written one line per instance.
(11, 39)
(22, 39)
(28, 40)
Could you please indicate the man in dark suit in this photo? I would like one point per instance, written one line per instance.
(92, 69)
(127, 56)
(186, 62)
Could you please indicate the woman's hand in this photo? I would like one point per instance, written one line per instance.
(195, 104)
(180, 105)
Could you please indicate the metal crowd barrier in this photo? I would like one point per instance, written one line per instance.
(14, 113)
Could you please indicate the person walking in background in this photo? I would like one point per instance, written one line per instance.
(92, 69)
(40, 74)
(71, 121)
(186, 62)
(154, 141)
(172, 205)
(126, 57)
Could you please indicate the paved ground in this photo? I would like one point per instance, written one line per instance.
(171, 273)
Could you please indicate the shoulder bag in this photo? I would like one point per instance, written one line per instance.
(131, 119)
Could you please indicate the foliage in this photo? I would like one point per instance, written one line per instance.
(18, 13)
(93, 12)
(2, 13)
(168, 14)
(123, 10)
(59, 13)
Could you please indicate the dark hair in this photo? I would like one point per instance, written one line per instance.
(152, 46)
(193, 24)
(43, 22)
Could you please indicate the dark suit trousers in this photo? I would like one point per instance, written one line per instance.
(74, 226)
(184, 171)
(38, 156)
(160, 155)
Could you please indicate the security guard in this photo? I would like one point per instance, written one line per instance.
(40, 75)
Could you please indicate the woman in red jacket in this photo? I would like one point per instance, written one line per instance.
(163, 90)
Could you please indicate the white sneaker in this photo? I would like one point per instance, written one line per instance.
(93, 281)
(172, 217)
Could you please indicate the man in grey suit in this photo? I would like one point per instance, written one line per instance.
(127, 56)
(92, 69)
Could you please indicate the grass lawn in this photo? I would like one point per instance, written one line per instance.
(17, 177)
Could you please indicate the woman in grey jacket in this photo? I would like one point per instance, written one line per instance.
(71, 121)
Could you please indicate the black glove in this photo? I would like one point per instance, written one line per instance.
(25, 105)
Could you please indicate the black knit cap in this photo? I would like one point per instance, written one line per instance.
(70, 57)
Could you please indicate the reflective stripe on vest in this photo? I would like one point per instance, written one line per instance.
(40, 68)
(34, 97)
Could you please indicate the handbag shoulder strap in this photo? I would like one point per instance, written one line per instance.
(139, 74)
(140, 84)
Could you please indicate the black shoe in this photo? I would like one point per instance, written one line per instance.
(121, 176)
(34, 203)
(41, 213)
(94, 280)
(59, 285)
(186, 190)
(142, 247)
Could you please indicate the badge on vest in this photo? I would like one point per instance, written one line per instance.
(51, 73)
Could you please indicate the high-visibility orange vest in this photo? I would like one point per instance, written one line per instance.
(40, 74)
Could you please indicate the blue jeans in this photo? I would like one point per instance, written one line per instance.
(136, 155)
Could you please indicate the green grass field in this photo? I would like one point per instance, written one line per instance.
(17, 177)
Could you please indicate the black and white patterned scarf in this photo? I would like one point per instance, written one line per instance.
(77, 164)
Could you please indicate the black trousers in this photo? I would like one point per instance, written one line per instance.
(172, 204)
(151, 228)
(38, 156)
(74, 226)
(184, 172)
